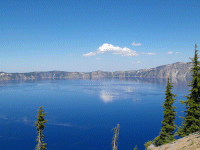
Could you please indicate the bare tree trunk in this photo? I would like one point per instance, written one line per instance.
(114, 146)
(115, 138)
(39, 142)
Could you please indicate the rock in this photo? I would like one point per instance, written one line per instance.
(175, 70)
(190, 142)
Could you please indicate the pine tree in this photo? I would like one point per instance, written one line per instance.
(115, 137)
(39, 124)
(135, 147)
(148, 144)
(191, 121)
(168, 126)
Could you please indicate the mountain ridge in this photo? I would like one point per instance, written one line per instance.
(175, 70)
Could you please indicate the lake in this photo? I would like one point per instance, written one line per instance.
(82, 113)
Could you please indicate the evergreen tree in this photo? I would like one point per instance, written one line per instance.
(168, 126)
(135, 147)
(115, 137)
(191, 121)
(148, 144)
(39, 124)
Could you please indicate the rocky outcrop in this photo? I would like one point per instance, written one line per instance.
(176, 70)
(190, 142)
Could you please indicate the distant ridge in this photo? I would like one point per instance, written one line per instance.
(175, 70)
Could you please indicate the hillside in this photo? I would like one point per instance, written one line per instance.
(175, 70)
(190, 142)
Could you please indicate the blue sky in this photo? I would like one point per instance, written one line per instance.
(91, 35)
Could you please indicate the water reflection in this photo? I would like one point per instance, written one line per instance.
(108, 96)
(182, 81)
(110, 89)
(177, 81)
(76, 107)
(124, 88)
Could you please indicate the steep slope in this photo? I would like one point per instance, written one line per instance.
(190, 142)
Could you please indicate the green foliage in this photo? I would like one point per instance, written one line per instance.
(191, 121)
(148, 144)
(158, 140)
(39, 124)
(168, 126)
(115, 137)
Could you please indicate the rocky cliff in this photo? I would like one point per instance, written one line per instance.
(175, 70)
(190, 142)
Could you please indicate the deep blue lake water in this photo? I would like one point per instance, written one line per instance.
(82, 113)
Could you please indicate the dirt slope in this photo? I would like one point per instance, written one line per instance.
(190, 142)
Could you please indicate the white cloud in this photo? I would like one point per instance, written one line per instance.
(170, 52)
(151, 53)
(136, 44)
(90, 54)
(137, 62)
(115, 50)
(177, 52)
(98, 58)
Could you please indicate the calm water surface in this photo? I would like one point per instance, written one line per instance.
(82, 113)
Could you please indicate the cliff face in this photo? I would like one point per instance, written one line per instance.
(176, 70)
(190, 142)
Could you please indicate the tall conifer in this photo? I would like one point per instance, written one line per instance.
(191, 121)
(39, 124)
(168, 126)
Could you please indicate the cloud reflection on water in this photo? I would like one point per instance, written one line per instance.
(114, 91)
(107, 96)
(111, 90)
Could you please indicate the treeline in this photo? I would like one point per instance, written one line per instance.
(190, 124)
(191, 121)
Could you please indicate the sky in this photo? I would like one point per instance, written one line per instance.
(91, 35)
